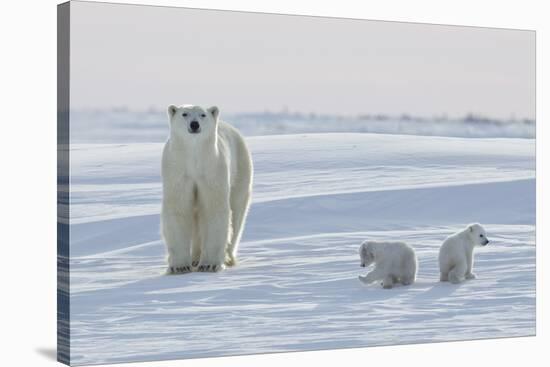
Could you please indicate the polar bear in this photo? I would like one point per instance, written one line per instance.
(206, 185)
(456, 255)
(395, 262)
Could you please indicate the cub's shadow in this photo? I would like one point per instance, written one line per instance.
(438, 290)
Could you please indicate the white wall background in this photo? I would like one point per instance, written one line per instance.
(28, 153)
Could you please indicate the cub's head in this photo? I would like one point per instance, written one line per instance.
(477, 234)
(366, 254)
(192, 122)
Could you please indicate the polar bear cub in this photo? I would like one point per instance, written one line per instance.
(206, 185)
(395, 262)
(456, 255)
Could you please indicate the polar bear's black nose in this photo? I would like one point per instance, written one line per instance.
(194, 125)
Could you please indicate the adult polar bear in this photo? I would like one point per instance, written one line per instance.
(207, 182)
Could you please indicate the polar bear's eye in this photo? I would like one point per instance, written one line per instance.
(480, 235)
(184, 114)
(203, 115)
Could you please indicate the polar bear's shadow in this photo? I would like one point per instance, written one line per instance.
(377, 292)
(437, 290)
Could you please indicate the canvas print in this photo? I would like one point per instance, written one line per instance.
(236, 183)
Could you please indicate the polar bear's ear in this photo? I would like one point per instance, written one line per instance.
(172, 110)
(471, 227)
(214, 111)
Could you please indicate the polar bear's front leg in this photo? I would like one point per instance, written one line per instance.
(214, 224)
(196, 246)
(470, 266)
(196, 251)
(176, 230)
(373, 276)
(387, 282)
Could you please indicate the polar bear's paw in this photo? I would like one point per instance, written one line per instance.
(206, 268)
(406, 281)
(470, 276)
(230, 260)
(179, 269)
(388, 281)
(454, 279)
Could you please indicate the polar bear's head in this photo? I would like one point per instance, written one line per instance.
(477, 234)
(366, 253)
(192, 122)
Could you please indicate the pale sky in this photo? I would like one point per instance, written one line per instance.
(144, 56)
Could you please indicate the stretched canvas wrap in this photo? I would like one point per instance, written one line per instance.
(235, 183)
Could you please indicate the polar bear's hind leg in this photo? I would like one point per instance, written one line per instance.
(408, 273)
(444, 268)
(456, 274)
(407, 280)
(239, 201)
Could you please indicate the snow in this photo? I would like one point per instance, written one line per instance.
(123, 125)
(316, 197)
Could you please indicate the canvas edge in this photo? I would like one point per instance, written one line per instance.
(63, 183)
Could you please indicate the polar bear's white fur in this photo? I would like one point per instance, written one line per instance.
(395, 262)
(207, 182)
(456, 255)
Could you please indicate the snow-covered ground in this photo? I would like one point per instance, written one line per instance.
(122, 125)
(316, 197)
